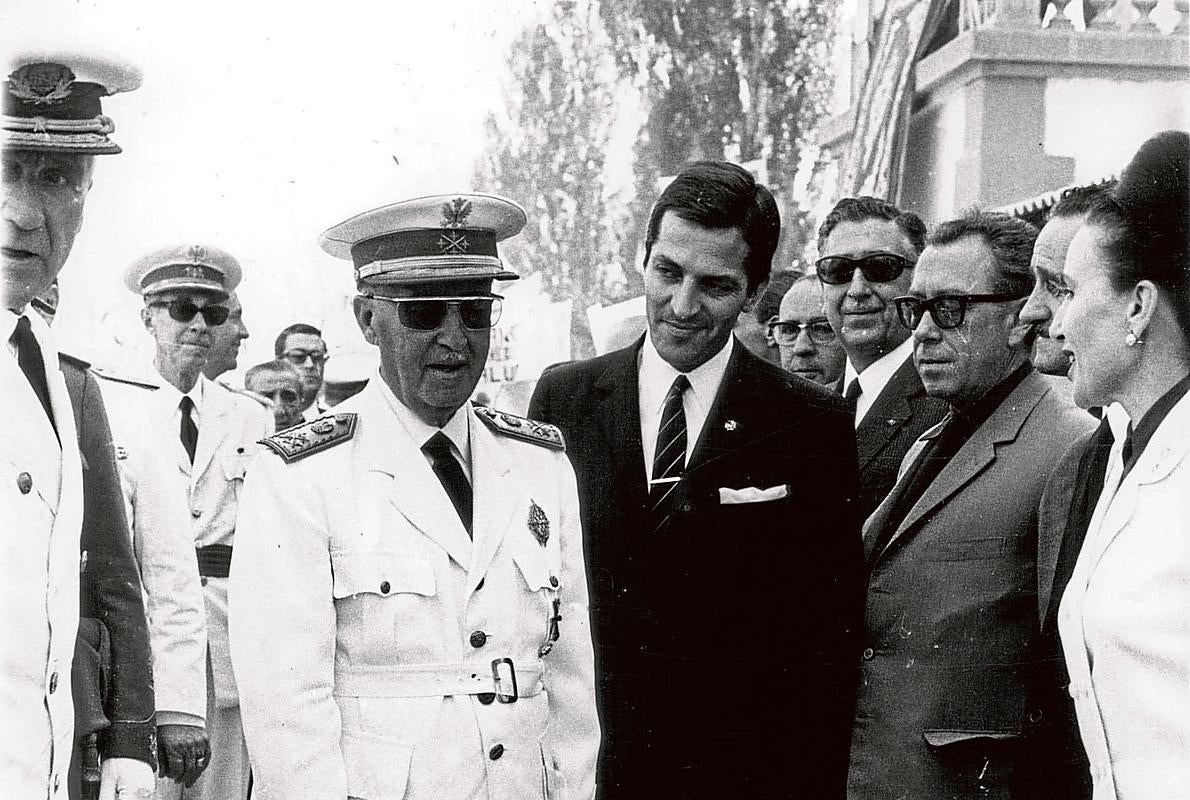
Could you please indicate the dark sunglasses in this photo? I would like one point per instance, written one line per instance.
(948, 310)
(786, 333)
(184, 309)
(876, 267)
(428, 313)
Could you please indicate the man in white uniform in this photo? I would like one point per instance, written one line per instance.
(208, 434)
(409, 600)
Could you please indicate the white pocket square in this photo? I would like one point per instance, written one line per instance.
(751, 494)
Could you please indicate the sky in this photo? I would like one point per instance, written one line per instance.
(259, 125)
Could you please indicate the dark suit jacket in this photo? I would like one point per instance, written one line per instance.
(110, 581)
(726, 642)
(951, 620)
(1053, 762)
(900, 414)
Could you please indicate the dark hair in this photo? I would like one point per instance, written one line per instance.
(769, 303)
(1076, 201)
(1009, 238)
(1143, 222)
(717, 194)
(279, 365)
(297, 327)
(858, 209)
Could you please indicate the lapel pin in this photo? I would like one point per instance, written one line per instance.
(730, 425)
(539, 524)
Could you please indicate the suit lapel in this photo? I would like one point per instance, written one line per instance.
(727, 423)
(213, 426)
(617, 409)
(976, 453)
(888, 413)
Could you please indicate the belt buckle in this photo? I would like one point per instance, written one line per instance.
(501, 695)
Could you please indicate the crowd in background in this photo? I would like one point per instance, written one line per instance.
(912, 524)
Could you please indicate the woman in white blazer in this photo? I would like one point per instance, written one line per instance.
(1125, 616)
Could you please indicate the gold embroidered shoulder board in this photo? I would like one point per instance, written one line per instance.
(295, 443)
(528, 430)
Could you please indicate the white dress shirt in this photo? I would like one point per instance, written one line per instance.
(457, 428)
(656, 376)
(873, 379)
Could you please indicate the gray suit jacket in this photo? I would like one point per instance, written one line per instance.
(950, 625)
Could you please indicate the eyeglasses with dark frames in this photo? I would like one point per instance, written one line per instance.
(477, 313)
(298, 357)
(876, 267)
(183, 309)
(948, 310)
(787, 332)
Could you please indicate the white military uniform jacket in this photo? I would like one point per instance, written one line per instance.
(367, 626)
(155, 500)
(41, 512)
(1125, 623)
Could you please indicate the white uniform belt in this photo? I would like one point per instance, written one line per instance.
(500, 677)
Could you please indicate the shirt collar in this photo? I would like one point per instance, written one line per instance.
(170, 397)
(457, 428)
(873, 379)
(657, 374)
(1152, 419)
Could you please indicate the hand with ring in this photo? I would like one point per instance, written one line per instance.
(183, 752)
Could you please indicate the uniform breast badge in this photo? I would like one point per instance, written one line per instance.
(539, 524)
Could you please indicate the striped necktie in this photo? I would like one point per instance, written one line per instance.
(669, 459)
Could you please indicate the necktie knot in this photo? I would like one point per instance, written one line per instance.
(854, 390)
(437, 446)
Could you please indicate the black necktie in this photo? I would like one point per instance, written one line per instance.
(669, 457)
(31, 363)
(188, 430)
(450, 475)
(1126, 454)
(854, 390)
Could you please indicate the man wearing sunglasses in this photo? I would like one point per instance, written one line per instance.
(951, 621)
(60, 495)
(207, 436)
(868, 248)
(701, 530)
(808, 344)
(409, 598)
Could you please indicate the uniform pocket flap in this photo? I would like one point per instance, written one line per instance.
(371, 572)
(946, 738)
(377, 766)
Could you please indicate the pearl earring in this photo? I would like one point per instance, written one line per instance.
(1132, 340)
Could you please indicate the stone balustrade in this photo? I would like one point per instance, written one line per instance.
(1128, 17)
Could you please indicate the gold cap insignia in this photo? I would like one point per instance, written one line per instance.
(539, 524)
(41, 84)
(198, 253)
(455, 213)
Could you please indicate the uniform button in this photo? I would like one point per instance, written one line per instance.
(24, 482)
(1035, 715)
(196, 512)
(686, 507)
(869, 654)
(203, 580)
(496, 752)
(53, 682)
(554, 581)
(486, 698)
(478, 638)
(384, 587)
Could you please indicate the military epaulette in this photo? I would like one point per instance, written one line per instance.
(108, 375)
(528, 430)
(308, 438)
(251, 395)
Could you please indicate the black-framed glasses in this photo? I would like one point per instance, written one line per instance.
(183, 309)
(876, 267)
(786, 332)
(948, 310)
(477, 313)
(298, 357)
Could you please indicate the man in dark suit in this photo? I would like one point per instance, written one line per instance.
(1053, 761)
(717, 497)
(868, 248)
(950, 625)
